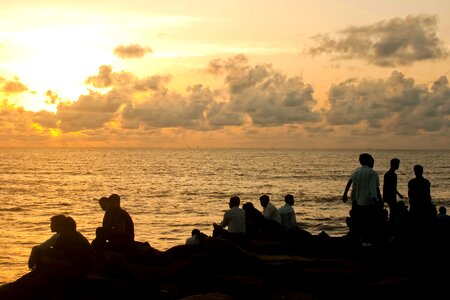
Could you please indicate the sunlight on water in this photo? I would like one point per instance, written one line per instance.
(170, 192)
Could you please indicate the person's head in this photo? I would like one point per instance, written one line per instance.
(71, 224)
(365, 159)
(103, 202)
(289, 199)
(195, 232)
(57, 222)
(442, 210)
(264, 200)
(418, 170)
(395, 163)
(115, 200)
(248, 206)
(234, 201)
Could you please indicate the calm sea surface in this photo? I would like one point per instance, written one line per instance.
(170, 192)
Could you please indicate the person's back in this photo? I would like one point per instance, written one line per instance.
(443, 222)
(364, 189)
(287, 213)
(119, 221)
(366, 202)
(419, 191)
(72, 246)
(423, 212)
(270, 212)
(254, 220)
(234, 218)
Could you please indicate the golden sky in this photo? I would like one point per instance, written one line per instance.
(282, 74)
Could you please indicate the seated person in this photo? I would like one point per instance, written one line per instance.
(69, 256)
(287, 213)
(234, 220)
(117, 231)
(196, 238)
(56, 225)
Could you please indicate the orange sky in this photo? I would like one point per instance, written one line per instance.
(307, 74)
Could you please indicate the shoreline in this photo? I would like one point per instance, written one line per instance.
(323, 268)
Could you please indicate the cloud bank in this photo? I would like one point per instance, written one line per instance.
(394, 42)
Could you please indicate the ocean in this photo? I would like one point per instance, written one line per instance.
(169, 192)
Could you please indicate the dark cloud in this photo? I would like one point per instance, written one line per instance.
(267, 96)
(254, 101)
(258, 94)
(396, 105)
(107, 78)
(131, 51)
(388, 43)
(45, 119)
(52, 97)
(170, 109)
(13, 87)
(90, 111)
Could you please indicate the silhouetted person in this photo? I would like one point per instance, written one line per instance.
(443, 224)
(270, 212)
(56, 225)
(72, 248)
(117, 231)
(401, 230)
(196, 238)
(287, 214)
(423, 212)
(366, 209)
(254, 221)
(272, 228)
(390, 191)
(63, 266)
(234, 220)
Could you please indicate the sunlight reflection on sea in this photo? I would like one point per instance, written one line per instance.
(170, 192)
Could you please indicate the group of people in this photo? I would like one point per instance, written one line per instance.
(241, 224)
(370, 222)
(68, 254)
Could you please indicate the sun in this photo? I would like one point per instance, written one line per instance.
(52, 58)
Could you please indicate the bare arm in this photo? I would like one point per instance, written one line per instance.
(347, 188)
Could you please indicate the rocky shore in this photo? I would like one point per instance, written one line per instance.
(317, 268)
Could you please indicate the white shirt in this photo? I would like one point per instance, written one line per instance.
(287, 215)
(192, 241)
(234, 218)
(271, 212)
(364, 185)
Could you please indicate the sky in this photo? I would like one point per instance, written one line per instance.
(225, 74)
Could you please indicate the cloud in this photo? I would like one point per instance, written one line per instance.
(396, 104)
(90, 111)
(256, 94)
(13, 87)
(388, 43)
(267, 96)
(131, 51)
(107, 78)
(255, 105)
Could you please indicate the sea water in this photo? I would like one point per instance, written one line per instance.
(168, 192)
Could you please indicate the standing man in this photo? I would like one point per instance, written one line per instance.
(365, 199)
(390, 191)
(423, 211)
